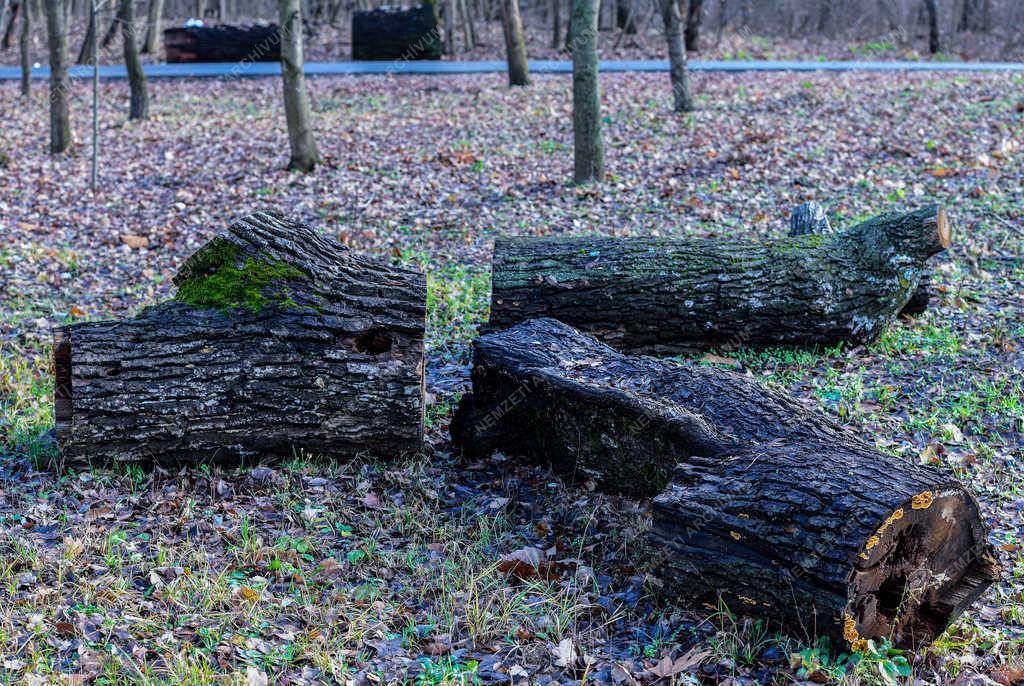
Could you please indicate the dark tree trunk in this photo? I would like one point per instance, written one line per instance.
(111, 33)
(556, 22)
(515, 44)
(588, 144)
(679, 77)
(154, 13)
(139, 106)
(61, 137)
(678, 295)
(16, 9)
(26, 58)
(278, 340)
(932, 13)
(694, 17)
(86, 54)
(770, 506)
(810, 218)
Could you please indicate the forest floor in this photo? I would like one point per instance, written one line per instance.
(376, 572)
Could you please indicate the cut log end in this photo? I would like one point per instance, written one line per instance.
(920, 569)
(944, 228)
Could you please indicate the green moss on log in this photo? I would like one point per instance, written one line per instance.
(226, 279)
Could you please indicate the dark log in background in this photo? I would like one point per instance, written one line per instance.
(384, 34)
(279, 339)
(811, 218)
(223, 43)
(770, 506)
(680, 295)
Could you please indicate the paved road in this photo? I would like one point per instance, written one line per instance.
(257, 69)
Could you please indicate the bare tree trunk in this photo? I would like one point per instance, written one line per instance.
(588, 146)
(556, 22)
(694, 16)
(61, 137)
(86, 54)
(15, 9)
(111, 33)
(468, 22)
(3, 12)
(154, 15)
(932, 12)
(304, 155)
(26, 59)
(671, 15)
(515, 44)
(449, 27)
(139, 108)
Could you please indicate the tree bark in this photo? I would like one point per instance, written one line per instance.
(694, 17)
(515, 44)
(139, 106)
(304, 155)
(556, 22)
(810, 218)
(61, 137)
(278, 340)
(86, 54)
(588, 145)
(678, 74)
(154, 14)
(932, 13)
(15, 9)
(770, 506)
(223, 44)
(680, 295)
(26, 57)
(7, 24)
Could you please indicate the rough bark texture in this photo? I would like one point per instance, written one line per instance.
(304, 155)
(223, 44)
(588, 145)
(810, 218)
(154, 13)
(384, 34)
(769, 505)
(932, 14)
(678, 73)
(26, 58)
(86, 54)
(278, 340)
(515, 44)
(61, 137)
(694, 16)
(139, 105)
(679, 295)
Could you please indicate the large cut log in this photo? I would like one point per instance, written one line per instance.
(811, 218)
(278, 340)
(396, 34)
(223, 43)
(677, 295)
(765, 504)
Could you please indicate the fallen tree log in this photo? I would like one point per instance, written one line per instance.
(810, 218)
(396, 34)
(678, 295)
(223, 43)
(770, 506)
(278, 340)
